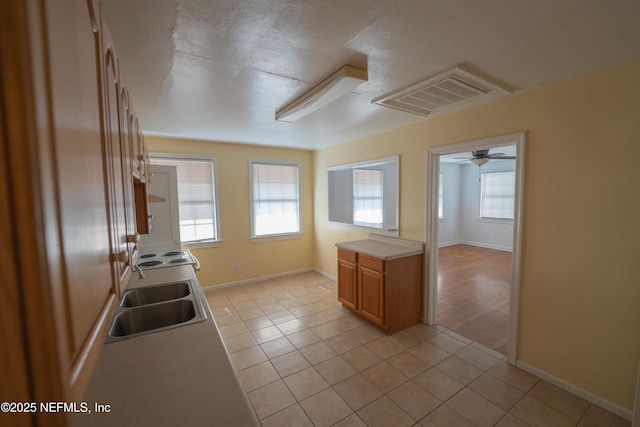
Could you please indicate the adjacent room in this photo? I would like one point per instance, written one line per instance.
(475, 236)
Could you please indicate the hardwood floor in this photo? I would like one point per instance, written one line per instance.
(474, 292)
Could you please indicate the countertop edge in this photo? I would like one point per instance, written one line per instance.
(384, 249)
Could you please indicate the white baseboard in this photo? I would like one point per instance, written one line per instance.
(327, 275)
(477, 244)
(212, 288)
(445, 244)
(574, 389)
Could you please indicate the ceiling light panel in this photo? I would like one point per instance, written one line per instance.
(330, 89)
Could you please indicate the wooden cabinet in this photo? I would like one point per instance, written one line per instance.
(141, 180)
(67, 196)
(126, 162)
(388, 293)
(371, 291)
(347, 278)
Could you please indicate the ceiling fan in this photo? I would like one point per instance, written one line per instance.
(480, 157)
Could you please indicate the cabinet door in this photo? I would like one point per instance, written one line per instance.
(88, 287)
(118, 158)
(347, 284)
(128, 141)
(141, 179)
(121, 255)
(371, 292)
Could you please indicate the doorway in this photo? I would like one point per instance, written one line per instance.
(434, 211)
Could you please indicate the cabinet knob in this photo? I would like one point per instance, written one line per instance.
(121, 256)
(133, 238)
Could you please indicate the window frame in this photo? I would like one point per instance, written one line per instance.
(340, 204)
(275, 236)
(217, 241)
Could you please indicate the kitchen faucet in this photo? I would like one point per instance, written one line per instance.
(140, 272)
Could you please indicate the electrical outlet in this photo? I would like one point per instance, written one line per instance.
(236, 268)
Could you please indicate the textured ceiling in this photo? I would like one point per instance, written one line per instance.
(219, 70)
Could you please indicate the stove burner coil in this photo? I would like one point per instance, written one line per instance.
(173, 253)
(150, 263)
(178, 261)
(147, 256)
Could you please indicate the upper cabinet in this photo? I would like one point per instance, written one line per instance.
(75, 154)
(126, 162)
(87, 291)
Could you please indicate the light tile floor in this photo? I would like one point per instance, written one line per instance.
(305, 361)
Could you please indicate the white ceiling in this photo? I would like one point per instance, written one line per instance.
(219, 70)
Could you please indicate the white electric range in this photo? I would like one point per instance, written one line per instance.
(171, 258)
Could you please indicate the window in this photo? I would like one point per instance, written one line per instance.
(497, 193)
(275, 198)
(367, 197)
(441, 197)
(196, 197)
(365, 194)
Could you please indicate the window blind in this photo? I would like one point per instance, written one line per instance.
(441, 197)
(275, 194)
(196, 198)
(367, 196)
(497, 193)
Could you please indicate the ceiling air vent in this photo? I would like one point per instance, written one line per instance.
(444, 92)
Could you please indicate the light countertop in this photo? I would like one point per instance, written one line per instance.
(383, 247)
(177, 377)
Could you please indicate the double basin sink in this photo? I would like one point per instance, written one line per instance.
(156, 308)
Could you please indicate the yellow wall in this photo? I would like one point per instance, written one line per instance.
(580, 284)
(256, 259)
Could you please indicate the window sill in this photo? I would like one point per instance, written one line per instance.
(275, 237)
(496, 220)
(203, 245)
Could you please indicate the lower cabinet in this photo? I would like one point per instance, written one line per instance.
(388, 293)
(347, 279)
(372, 294)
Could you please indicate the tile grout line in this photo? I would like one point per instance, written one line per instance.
(313, 299)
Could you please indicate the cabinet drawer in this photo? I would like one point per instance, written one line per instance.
(370, 262)
(346, 255)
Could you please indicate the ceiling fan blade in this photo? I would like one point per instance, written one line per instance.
(500, 156)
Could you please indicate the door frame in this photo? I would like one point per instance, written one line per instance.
(433, 171)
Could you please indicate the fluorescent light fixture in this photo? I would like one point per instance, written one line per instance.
(330, 89)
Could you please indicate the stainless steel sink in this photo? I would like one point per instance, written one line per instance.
(154, 294)
(155, 309)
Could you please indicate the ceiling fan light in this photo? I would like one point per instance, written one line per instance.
(479, 162)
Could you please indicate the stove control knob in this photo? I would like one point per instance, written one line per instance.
(133, 238)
